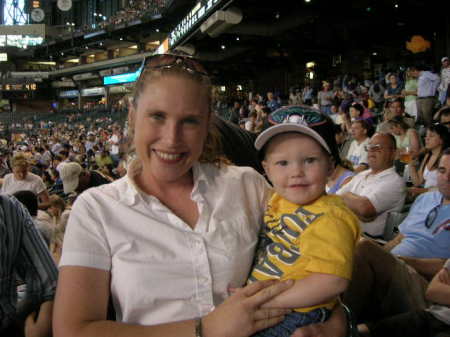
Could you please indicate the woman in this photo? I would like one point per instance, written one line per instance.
(407, 138)
(394, 88)
(341, 175)
(424, 176)
(325, 98)
(168, 240)
(22, 180)
(410, 94)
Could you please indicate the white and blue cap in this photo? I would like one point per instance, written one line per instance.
(291, 123)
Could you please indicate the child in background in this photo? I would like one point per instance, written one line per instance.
(307, 235)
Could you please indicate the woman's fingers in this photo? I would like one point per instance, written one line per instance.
(266, 293)
(255, 287)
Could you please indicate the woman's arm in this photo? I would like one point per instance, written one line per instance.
(416, 175)
(414, 142)
(313, 290)
(82, 300)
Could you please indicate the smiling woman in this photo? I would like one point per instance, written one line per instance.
(167, 241)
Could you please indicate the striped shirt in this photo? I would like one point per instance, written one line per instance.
(24, 255)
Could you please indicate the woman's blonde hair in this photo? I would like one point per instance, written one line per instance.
(19, 160)
(212, 148)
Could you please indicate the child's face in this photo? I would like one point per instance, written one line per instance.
(298, 167)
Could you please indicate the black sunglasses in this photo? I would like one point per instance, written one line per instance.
(172, 60)
(431, 216)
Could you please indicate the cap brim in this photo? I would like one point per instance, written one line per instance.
(266, 135)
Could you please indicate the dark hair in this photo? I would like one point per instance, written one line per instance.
(29, 200)
(446, 152)
(337, 129)
(358, 107)
(443, 133)
(399, 100)
(444, 112)
(365, 125)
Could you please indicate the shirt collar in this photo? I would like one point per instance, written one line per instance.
(132, 191)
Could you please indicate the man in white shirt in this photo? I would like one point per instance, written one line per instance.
(356, 154)
(114, 141)
(427, 85)
(374, 193)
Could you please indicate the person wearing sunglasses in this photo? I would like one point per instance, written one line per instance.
(373, 193)
(392, 280)
(168, 241)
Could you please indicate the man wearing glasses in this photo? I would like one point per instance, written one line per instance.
(373, 193)
(393, 279)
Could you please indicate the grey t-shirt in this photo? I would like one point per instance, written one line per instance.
(441, 312)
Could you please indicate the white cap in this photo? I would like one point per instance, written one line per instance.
(445, 58)
(70, 176)
(290, 126)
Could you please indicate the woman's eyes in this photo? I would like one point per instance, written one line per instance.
(157, 116)
(161, 117)
(193, 121)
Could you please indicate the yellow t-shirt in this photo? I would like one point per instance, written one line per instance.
(297, 241)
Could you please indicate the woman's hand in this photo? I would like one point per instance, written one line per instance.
(241, 314)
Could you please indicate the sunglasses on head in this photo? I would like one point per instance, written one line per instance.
(172, 60)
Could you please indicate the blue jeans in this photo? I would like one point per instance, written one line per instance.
(293, 321)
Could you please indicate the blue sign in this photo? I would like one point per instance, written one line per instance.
(122, 78)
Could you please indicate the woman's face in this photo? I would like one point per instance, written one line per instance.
(20, 172)
(170, 121)
(432, 140)
(396, 130)
(393, 79)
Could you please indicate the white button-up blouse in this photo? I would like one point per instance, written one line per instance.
(161, 269)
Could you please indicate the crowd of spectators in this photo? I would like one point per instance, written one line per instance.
(393, 159)
(133, 10)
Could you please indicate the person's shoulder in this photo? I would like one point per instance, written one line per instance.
(6, 200)
(8, 176)
(334, 205)
(335, 210)
(433, 197)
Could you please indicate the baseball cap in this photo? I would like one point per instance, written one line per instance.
(445, 58)
(70, 176)
(293, 119)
